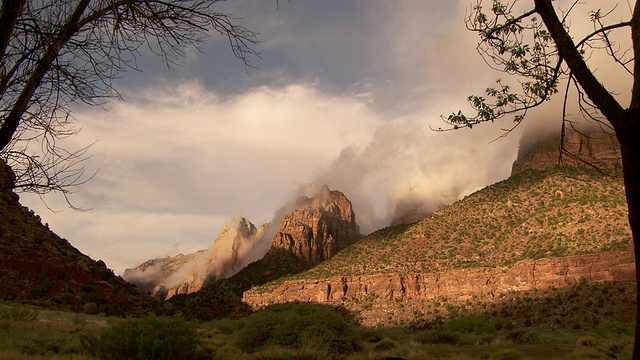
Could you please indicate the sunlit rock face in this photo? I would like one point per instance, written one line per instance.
(385, 292)
(239, 244)
(313, 229)
(318, 228)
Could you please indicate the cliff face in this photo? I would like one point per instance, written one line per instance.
(374, 296)
(593, 147)
(318, 228)
(536, 232)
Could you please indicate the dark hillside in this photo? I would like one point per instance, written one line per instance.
(37, 266)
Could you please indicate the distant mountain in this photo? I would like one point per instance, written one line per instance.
(311, 230)
(238, 244)
(37, 266)
(544, 227)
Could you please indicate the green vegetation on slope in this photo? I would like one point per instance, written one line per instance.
(532, 215)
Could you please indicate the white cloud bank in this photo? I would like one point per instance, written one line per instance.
(177, 161)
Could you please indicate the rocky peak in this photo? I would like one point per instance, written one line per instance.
(237, 245)
(318, 227)
(314, 229)
(585, 148)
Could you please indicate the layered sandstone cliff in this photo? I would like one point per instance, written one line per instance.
(537, 230)
(375, 295)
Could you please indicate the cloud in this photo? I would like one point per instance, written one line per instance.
(176, 161)
(404, 157)
(344, 95)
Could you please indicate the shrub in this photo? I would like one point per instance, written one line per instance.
(438, 337)
(471, 324)
(508, 354)
(587, 341)
(609, 329)
(525, 337)
(17, 313)
(90, 308)
(227, 326)
(145, 338)
(386, 344)
(289, 325)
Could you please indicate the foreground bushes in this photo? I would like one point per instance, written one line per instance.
(298, 326)
(145, 338)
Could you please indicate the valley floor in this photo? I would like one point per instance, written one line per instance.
(28, 332)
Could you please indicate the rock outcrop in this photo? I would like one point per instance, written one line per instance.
(385, 291)
(315, 229)
(318, 228)
(588, 148)
(239, 244)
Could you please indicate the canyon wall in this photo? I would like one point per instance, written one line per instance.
(387, 291)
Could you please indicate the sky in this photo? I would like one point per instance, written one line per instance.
(344, 94)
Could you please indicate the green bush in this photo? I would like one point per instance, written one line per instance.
(145, 338)
(438, 337)
(587, 341)
(294, 325)
(90, 308)
(18, 313)
(471, 325)
(386, 344)
(227, 326)
(609, 329)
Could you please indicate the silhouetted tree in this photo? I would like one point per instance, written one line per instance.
(542, 55)
(55, 53)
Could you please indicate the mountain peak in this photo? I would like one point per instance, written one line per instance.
(319, 227)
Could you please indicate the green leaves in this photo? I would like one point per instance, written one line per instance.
(516, 44)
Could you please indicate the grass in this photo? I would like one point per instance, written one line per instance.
(33, 333)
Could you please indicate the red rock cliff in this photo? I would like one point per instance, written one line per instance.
(385, 292)
(318, 228)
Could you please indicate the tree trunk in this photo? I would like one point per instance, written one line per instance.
(628, 134)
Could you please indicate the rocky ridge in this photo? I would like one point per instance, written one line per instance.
(383, 293)
(238, 244)
(543, 228)
(313, 229)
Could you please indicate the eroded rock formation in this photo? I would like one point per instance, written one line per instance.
(588, 148)
(237, 245)
(314, 229)
(318, 228)
(386, 291)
